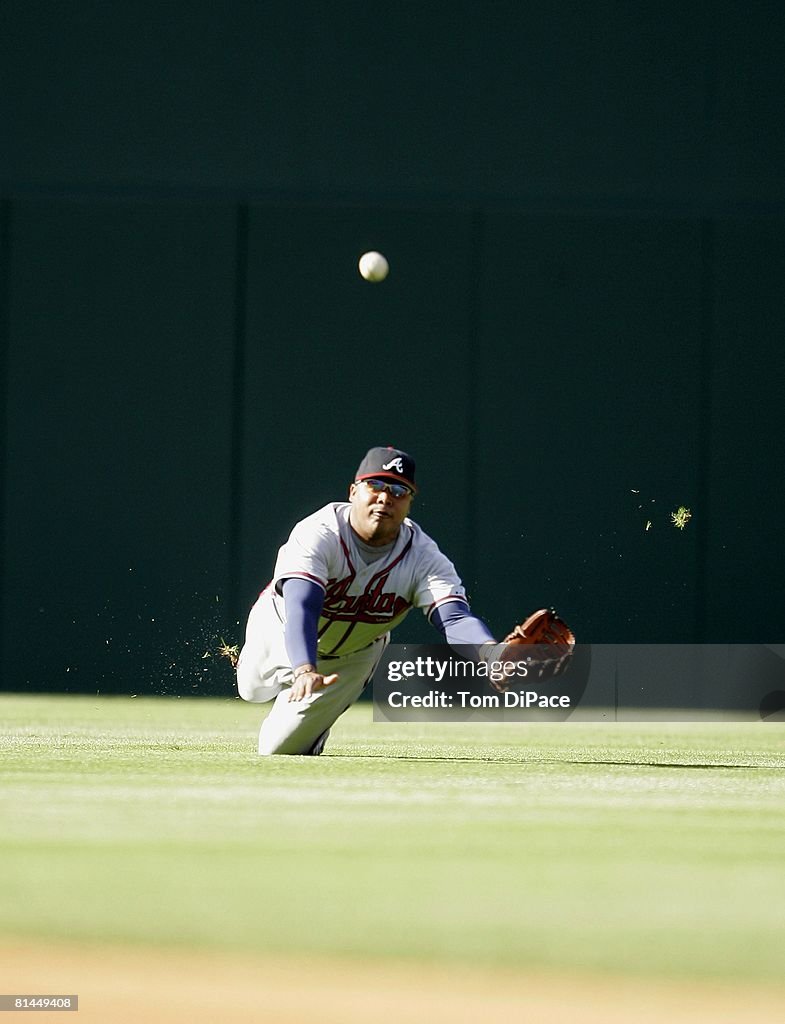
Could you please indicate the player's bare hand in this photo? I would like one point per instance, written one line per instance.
(309, 682)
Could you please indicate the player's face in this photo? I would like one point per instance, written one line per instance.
(376, 514)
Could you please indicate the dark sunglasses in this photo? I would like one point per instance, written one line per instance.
(396, 490)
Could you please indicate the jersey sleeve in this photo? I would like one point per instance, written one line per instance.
(306, 554)
(458, 626)
(437, 582)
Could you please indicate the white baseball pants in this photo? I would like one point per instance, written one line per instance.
(264, 674)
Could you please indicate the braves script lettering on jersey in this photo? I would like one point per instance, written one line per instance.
(363, 602)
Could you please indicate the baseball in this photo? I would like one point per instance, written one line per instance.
(374, 267)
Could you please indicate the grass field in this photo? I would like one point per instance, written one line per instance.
(645, 858)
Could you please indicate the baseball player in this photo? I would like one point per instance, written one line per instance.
(347, 575)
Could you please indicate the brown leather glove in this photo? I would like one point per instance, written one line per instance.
(551, 643)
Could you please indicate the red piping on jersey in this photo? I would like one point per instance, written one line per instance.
(377, 576)
(386, 571)
(300, 576)
(342, 640)
(441, 600)
(352, 570)
(352, 575)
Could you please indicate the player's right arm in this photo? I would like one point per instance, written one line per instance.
(303, 600)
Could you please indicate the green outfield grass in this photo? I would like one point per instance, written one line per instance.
(649, 849)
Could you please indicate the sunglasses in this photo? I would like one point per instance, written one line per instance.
(396, 490)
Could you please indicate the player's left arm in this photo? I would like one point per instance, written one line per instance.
(458, 626)
(441, 595)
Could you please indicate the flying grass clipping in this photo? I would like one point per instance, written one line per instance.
(678, 518)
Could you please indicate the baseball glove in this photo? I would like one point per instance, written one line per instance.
(551, 640)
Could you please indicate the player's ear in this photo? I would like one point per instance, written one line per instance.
(352, 489)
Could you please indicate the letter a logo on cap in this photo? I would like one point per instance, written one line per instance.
(391, 461)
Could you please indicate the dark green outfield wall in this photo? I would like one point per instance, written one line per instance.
(614, 100)
(584, 210)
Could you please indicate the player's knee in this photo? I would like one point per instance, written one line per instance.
(266, 748)
(245, 678)
(248, 691)
(292, 745)
(249, 684)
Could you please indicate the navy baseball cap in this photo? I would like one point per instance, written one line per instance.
(387, 464)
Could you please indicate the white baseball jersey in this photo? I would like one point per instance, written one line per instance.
(362, 601)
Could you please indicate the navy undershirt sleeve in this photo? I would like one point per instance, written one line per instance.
(303, 601)
(459, 627)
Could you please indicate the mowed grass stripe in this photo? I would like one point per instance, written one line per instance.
(133, 821)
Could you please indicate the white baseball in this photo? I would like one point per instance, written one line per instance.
(374, 267)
